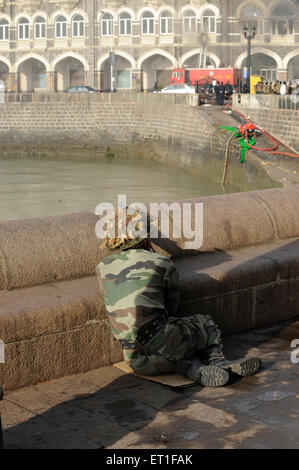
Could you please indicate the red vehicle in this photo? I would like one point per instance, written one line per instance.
(202, 76)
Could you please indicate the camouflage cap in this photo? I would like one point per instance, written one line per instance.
(125, 231)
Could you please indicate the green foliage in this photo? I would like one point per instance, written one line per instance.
(109, 153)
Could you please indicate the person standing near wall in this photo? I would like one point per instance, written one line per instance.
(221, 94)
(245, 88)
(283, 88)
(216, 88)
(214, 83)
(228, 89)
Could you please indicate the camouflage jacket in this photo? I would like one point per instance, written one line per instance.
(137, 286)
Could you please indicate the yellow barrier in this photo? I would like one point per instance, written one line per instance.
(254, 79)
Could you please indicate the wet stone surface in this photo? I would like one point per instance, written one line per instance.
(107, 408)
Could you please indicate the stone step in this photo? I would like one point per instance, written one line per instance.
(61, 328)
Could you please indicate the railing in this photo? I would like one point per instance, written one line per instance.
(290, 102)
(287, 102)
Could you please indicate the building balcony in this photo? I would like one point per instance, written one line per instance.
(4, 45)
(107, 41)
(166, 39)
(190, 38)
(125, 40)
(23, 44)
(284, 39)
(148, 39)
(40, 44)
(62, 43)
(212, 38)
(78, 42)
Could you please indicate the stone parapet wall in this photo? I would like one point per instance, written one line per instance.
(119, 97)
(65, 247)
(245, 276)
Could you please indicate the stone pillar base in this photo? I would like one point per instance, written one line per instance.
(52, 81)
(100, 79)
(15, 85)
(101, 84)
(282, 75)
(137, 80)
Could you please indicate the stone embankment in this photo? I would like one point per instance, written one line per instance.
(169, 128)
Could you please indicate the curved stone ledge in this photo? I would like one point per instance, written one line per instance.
(52, 249)
(246, 275)
(61, 328)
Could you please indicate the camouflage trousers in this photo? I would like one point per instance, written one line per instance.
(179, 339)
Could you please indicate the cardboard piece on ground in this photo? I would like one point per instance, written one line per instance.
(172, 380)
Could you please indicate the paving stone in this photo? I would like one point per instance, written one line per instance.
(66, 389)
(109, 409)
(13, 414)
(39, 435)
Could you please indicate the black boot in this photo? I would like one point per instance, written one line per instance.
(242, 367)
(205, 375)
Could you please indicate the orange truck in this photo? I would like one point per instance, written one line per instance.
(202, 76)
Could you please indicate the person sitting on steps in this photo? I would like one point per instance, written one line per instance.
(141, 293)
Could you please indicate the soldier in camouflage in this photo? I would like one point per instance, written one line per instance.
(140, 289)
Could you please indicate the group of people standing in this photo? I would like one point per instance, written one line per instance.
(222, 91)
(276, 88)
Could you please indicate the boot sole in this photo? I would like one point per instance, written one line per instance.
(246, 367)
(213, 376)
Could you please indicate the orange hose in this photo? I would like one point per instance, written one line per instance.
(271, 150)
(293, 155)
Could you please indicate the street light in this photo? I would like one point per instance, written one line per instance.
(249, 34)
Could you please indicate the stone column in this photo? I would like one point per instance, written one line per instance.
(137, 80)
(101, 84)
(99, 79)
(52, 81)
(15, 82)
(282, 75)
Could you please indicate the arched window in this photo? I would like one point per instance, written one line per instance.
(125, 24)
(107, 25)
(283, 14)
(4, 30)
(189, 22)
(78, 26)
(148, 23)
(40, 28)
(60, 27)
(23, 28)
(251, 10)
(283, 8)
(209, 22)
(252, 15)
(166, 23)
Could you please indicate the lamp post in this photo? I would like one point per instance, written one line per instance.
(249, 34)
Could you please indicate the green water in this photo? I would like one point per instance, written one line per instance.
(40, 188)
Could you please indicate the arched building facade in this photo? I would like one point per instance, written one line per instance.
(59, 43)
